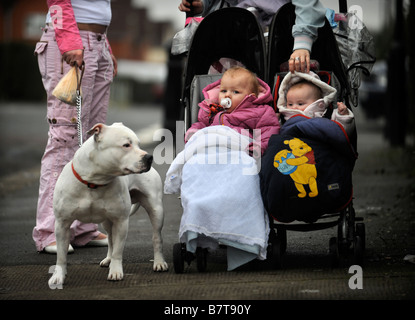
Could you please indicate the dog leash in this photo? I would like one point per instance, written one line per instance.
(79, 103)
(79, 126)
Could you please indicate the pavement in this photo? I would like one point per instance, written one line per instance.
(384, 192)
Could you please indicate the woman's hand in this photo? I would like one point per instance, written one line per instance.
(196, 6)
(74, 57)
(299, 61)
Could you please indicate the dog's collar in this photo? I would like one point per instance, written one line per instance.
(90, 185)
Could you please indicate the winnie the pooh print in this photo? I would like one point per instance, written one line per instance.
(299, 163)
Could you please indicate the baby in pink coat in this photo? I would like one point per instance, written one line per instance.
(248, 109)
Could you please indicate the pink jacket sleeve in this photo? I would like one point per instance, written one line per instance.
(203, 122)
(269, 125)
(64, 23)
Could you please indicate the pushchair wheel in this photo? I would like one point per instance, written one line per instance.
(275, 254)
(277, 244)
(179, 253)
(334, 252)
(345, 230)
(282, 237)
(201, 259)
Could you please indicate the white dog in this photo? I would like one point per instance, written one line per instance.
(107, 181)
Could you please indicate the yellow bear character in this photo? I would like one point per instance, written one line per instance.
(299, 163)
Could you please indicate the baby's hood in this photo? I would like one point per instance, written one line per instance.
(328, 92)
(314, 110)
(211, 93)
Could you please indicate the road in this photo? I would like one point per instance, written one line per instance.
(384, 196)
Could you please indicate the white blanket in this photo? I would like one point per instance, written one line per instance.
(220, 195)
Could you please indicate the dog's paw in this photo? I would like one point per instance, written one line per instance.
(115, 276)
(116, 273)
(106, 262)
(56, 282)
(57, 279)
(160, 266)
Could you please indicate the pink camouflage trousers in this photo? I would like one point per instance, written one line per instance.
(62, 119)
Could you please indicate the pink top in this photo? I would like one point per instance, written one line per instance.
(65, 25)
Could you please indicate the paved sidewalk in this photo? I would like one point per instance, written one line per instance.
(384, 196)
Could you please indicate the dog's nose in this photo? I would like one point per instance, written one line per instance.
(148, 159)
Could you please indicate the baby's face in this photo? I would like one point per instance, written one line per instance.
(235, 87)
(299, 98)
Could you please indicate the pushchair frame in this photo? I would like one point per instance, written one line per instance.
(351, 235)
(247, 46)
(350, 230)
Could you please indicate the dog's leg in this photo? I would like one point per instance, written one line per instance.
(119, 236)
(108, 229)
(154, 206)
(62, 233)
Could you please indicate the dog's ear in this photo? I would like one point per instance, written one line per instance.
(97, 130)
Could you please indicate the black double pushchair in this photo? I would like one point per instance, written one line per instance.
(234, 34)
